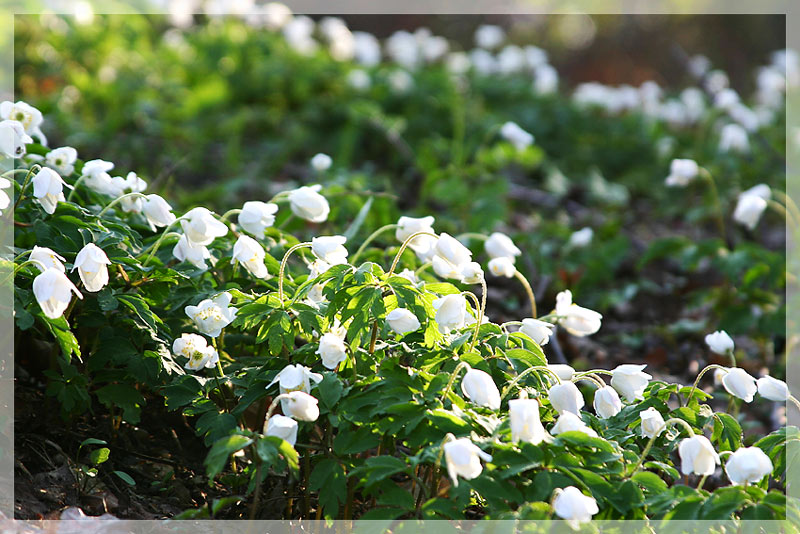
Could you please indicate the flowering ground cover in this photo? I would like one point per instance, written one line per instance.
(323, 275)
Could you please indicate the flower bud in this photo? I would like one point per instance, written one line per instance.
(748, 465)
(463, 459)
(257, 216)
(499, 245)
(681, 172)
(697, 456)
(48, 189)
(773, 389)
(740, 384)
(300, 405)
(606, 402)
(566, 397)
(308, 204)
(451, 312)
(719, 342)
(652, 422)
(481, 389)
(577, 320)
(569, 422)
(332, 350)
(572, 505)
(563, 371)
(321, 162)
(52, 290)
(630, 381)
(330, 249)
(250, 254)
(539, 332)
(157, 212)
(526, 425)
(402, 321)
(282, 427)
(92, 264)
(408, 226)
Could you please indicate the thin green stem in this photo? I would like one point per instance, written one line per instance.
(652, 440)
(525, 373)
(118, 200)
(39, 264)
(403, 249)
(481, 311)
(528, 289)
(459, 367)
(699, 376)
(702, 481)
(283, 268)
(229, 213)
(78, 182)
(790, 204)
(794, 401)
(25, 183)
(435, 475)
(369, 240)
(158, 242)
(422, 268)
(732, 357)
(720, 218)
(589, 378)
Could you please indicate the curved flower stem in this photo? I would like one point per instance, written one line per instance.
(435, 475)
(652, 440)
(595, 372)
(283, 267)
(157, 244)
(12, 172)
(459, 367)
(229, 213)
(118, 200)
(78, 182)
(720, 219)
(39, 264)
(788, 202)
(589, 378)
(403, 249)
(280, 197)
(794, 401)
(371, 238)
(271, 409)
(702, 481)
(481, 311)
(25, 183)
(732, 357)
(422, 268)
(529, 370)
(699, 376)
(528, 289)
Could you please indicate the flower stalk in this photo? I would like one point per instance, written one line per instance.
(652, 440)
(282, 271)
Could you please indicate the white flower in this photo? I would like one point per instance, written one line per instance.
(52, 290)
(719, 342)
(726, 99)
(257, 216)
(402, 321)
(48, 189)
(212, 315)
(570, 422)
(581, 238)
(95, 176)
(577, 320)
(740, 384)
(748, 465)
(572, 505)
(489, 36)
(300, 405)
(502, 266)
(546, 80)
(451, 257)
(13, 139)
(697, 456)
(330, 249)
(539, 332)
(297, 32)
(47, 257)
(321, 162)
(409, 275)
(733, 138)
(62, 160)
(451, 312)
(563, 371)
(308, 204)
(718, 375)
(463, 459)
(681, 172)
(282, 427)
(751, 205)
(131, 184)
(773, 389)
(471, 273)
(25, 114)
(157, 212)
(511, 132)
(367, 49)
(201, 227)
(481, 389)
(251, 255)
(295, 378)
(499, 245)
(526, 425)
(630, 380)
(92, 264)
(652, 422)
(566, 397)
(185, 250)
(196, 348)
(606, 402)
(276, 15)
(402, 48)
(359, 80)
(332, 350)
(408, 226)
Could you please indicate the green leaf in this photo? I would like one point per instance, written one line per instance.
(125, 477)
(378, 468)
(99, 456)
(352, 442)
(722, 503)
(66, 339)
(122, 396)
(651, 482)
(92, 441)
(221, 450)
(329, 479)
(727, 432)
(277, 453)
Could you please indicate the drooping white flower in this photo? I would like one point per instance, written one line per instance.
(212, 315)
(451, 312)
(748, 465)
(250, 254)
(471, 273)
(92, 264)
(27, 115)
(408, 226)
(157, 211)
(697, 456)
(201, 226)
(257, 216)
(300, 405)
(652, 422)
(499, 245)
(463, 459)
(282, 427)
(511, 132)
(740, 384)
(607, 402)
(62, 160)
(570, 422)
(185, 250)
(526, 425)
(577, 320)
(773, 389)
(751, 205)
(330, 249)
(581, 238)
(571, 504)
(502, 266)
(308, 204)
(630, 380)
(402, 321)
(479, 387)
(563, 371)
(195, 347)
(682, 172)
(95, 176)
(332, 350)
(48, 189)
(13, 139)
(566, 397)
(538, 331)
(718, 375)
(295, 378)
(321, 162)
(52, 290)
(451, 257)
(720, 342)
(47, 257)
